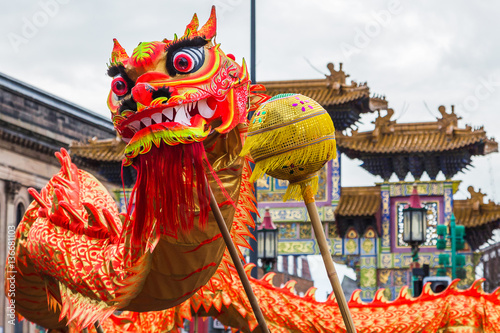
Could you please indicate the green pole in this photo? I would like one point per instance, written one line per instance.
(453, 247)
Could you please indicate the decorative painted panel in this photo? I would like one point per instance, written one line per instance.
(305, 231)
(336, 246)
(367, 294)
(386, 260)
(336, 180)
(448, 201)
(328, 212)
(368, 246)
(297, 214)
(403, 260)
(263, 184)
(289, 214)
(431, 222)
(386, 219)
(368, 276)
(434, 205)
(280, 184)
(427, 188)
(287, 231)
(392, 280)
(351, 243)
(332, 230)
(297, 247)
(270, 191)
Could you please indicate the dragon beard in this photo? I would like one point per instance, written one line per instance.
(170, 191)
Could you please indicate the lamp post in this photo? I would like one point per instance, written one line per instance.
(267, 242)
(414, 229)
(252, 241)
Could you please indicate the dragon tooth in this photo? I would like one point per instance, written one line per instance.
(135, 125)
(146, 121)
(156, 118)
(169, 113)
(204, 110)
(182, 117)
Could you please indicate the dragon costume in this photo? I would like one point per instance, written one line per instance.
(181, 107)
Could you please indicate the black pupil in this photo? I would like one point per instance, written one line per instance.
(182, 63)
(120, 85)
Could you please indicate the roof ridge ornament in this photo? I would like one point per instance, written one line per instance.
(449, 121)
(383, 124)
(336, 76)
(476, 197)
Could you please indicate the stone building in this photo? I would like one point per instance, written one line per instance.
(33, 126)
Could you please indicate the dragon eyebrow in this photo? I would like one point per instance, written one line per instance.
(182, 42)
(114, 70)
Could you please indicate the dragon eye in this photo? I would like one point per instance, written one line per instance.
(188, 59)
(119, 86)
(183, 62)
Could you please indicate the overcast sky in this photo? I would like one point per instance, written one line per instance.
(419, 54)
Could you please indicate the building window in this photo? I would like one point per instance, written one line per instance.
(291, 265)
(19, 213)
(432, 222)
(280, 264)
(299, 266)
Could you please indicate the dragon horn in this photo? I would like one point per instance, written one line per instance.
(209, 29)
(118, 55)
(192, 27)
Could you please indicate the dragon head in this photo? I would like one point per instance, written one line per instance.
(176, 91)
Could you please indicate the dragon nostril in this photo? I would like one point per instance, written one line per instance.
(162, 92)
(127, 104)
(143, 93)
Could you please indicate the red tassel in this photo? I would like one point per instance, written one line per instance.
(169, 179)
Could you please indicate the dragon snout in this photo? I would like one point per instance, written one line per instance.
(143, 93)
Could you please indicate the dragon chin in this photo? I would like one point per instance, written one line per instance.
(170, 133)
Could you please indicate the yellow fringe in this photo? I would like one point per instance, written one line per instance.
(294, 190)
(311, 157)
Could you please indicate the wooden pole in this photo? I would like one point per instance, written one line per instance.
(237, 262)
(98, 327)
(308, 196)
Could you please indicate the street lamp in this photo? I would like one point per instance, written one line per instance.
(267, 242)
(414, 224)
(414, 230)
